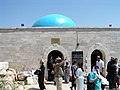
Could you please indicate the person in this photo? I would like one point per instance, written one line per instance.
(118, 76)
(79, 77)
(94, 77)
(108, 67)
(58, 73)
(41, 75)
(67, 73)
(104, 81)
(100, 64)
(112, 73)
(109, 63)
(73, 69)
(50, 69)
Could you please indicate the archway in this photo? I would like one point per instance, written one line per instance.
(55, 54)
(105, 55)
(94, 55)
(53, 48)
(51, 61)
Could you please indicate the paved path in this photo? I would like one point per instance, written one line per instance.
(49, 86)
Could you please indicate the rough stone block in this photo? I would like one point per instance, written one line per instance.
(4, 65)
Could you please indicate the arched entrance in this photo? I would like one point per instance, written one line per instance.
(55, 50)
(51, 61)
(55, 54)
(90, 56)
(94, 55)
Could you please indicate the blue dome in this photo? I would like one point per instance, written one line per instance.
(54, 20)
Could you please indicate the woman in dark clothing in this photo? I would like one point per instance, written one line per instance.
(41, 76)
(118, 77)
(112, 73)
(50, 69)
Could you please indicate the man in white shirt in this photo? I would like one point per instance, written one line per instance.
(100, 64)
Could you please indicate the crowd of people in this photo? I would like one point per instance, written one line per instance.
(96, 79)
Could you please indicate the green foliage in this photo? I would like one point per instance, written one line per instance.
(14, 86)
(2, 87)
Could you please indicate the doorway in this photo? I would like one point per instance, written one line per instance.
(55, 54)
(94, 55)
(51, 61)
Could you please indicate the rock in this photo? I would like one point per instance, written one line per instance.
(21, 87)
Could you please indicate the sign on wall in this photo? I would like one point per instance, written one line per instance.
(55, 41)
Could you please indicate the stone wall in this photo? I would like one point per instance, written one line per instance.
(23, 47)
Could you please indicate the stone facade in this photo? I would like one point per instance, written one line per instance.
(23, 47)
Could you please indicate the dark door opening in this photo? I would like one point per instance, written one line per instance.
(51, 61)
(94, 55)
(55, 54)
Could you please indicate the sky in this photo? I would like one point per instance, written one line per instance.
(85, 13)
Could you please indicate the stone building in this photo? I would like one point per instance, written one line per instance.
(24, 47)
